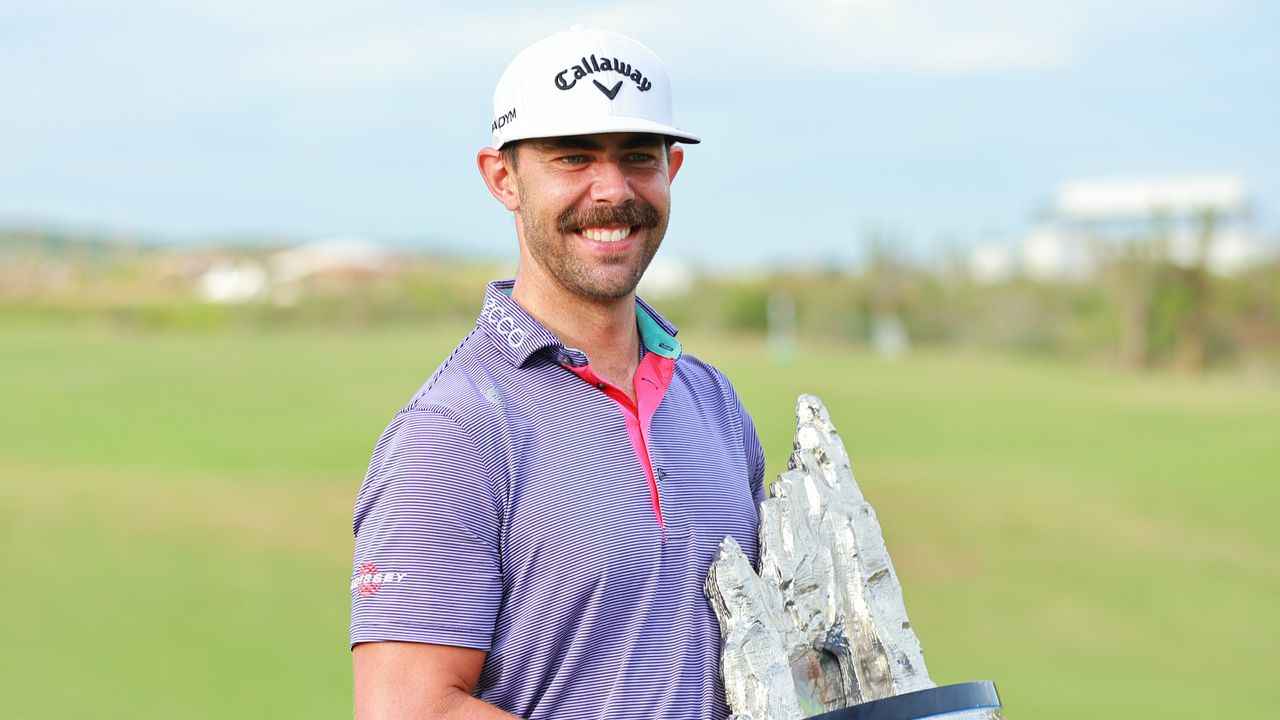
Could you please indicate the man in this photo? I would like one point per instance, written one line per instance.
(536, 524)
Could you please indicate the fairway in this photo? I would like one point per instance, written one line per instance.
(175, 517)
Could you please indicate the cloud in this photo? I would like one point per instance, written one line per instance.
(376, 58)
(936, 37)
(422, 46)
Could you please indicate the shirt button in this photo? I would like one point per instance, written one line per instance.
(600, 386)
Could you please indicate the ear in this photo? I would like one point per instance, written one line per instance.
(499, 178)
(674, 161)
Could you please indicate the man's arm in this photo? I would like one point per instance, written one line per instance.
(419, 681)
(426, 585)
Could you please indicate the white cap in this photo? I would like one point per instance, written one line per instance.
(580, 82)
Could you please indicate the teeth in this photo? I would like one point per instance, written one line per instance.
(603, 235)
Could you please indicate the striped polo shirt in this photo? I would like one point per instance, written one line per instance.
(522, 506)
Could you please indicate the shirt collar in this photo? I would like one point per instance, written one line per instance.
(518, 336)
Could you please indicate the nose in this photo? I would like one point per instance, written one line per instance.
(610, 185)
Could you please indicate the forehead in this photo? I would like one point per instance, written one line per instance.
(598, 142)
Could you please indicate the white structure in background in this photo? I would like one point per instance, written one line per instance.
(991, 262)
(780, 319)
(337, 259)
(1112, 209)
(665, 277)
(1049, 253)
(889, 336)
(232, 281)
(1088, 218)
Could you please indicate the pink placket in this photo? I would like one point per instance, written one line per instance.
(652, 378)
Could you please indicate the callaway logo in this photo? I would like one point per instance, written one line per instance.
(591, 65)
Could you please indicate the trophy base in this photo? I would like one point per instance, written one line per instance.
(972, 700)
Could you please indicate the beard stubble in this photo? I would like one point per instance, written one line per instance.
(555, 252)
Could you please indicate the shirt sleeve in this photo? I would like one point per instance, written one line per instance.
(427, 520)
(755, 455)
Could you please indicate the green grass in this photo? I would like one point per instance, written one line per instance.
(175, 509)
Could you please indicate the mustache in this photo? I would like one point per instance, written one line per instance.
(636, 213)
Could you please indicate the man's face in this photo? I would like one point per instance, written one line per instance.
(593, 209)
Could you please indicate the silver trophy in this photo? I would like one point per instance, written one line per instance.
(821, 630)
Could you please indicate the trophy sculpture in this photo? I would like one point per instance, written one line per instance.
(821, 631)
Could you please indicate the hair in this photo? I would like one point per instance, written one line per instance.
(510, 151)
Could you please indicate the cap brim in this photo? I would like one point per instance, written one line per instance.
(596, 125)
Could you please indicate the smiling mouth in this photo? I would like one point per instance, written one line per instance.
(606, 234)
(609, 224)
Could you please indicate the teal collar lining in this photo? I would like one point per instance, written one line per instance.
(655, 338)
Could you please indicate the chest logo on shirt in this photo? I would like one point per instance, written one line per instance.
(369, 581)
(500, 320)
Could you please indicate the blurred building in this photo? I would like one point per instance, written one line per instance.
(229, 281)
(325, 265)
(1191, 221)
(336, 264)
(666, 277)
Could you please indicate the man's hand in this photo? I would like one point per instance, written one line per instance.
(418, 681)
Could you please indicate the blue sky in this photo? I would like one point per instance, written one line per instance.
(945, 123)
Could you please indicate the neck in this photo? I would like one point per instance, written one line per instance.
(603, 328)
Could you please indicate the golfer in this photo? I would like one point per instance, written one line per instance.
(537, 522)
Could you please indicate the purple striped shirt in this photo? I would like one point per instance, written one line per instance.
(507, 508)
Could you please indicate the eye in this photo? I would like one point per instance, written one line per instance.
(572, 159)
(641, 157)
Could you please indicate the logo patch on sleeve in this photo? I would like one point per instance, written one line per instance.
(368, 580)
